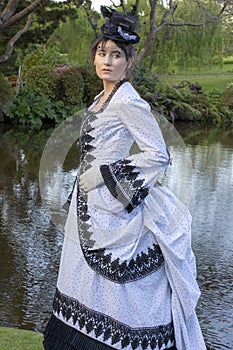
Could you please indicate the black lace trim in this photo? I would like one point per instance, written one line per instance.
(123, 272)
(99, 325)
(123, 183)
(117, 271)
(85, 142)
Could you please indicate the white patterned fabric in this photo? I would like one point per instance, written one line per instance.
(127, 276)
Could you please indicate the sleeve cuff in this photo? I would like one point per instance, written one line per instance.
(129, 192)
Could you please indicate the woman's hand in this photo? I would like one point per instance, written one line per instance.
(90, 179)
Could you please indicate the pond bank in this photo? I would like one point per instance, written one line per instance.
(15, 339)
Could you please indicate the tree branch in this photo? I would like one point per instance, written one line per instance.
(172, 6)
(8, 11)
(10, 45)
(152, 32)
(115, 4)
(22, 14)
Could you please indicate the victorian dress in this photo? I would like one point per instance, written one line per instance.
(127, 276)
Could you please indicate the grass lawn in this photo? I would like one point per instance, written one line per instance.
(15, 339)
(210, 78)
(207, 82)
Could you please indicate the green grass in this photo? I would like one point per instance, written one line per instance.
(15, 339)
(207, 82)
(216, 69)
(215, 77)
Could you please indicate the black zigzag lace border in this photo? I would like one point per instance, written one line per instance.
(106, 329)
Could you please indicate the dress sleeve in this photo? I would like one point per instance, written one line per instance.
(130, 179)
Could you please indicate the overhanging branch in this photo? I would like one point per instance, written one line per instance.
(8, 11)
(10, 45)
(22, 14)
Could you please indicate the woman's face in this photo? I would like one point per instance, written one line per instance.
(110, 62)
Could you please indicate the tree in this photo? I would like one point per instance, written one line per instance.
(167, 10)
(11, 14)
(184, 47)
(73, 38)
(228, 36)
(16, 16)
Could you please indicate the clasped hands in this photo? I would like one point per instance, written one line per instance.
(90, 179)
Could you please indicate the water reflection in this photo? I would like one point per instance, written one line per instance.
(31, 244)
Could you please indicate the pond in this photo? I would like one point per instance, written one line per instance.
(31, 234)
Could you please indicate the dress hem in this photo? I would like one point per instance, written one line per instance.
(60, 336)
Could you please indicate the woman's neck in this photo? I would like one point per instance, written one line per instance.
(107, 95)
(109, 86)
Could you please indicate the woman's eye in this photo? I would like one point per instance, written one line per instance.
(101, 54)
(116, 55)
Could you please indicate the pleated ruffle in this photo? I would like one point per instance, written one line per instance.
(60, 336)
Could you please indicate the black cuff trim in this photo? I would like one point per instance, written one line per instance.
(114, 187)
(122, 182)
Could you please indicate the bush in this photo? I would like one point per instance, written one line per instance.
(42, 80)
(5, 95)
(227, 97)
(92, 84)
(42, 56)
(32, 108)
(69, 86)
(144, 80)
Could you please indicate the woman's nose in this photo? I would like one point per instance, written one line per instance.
(107, 60)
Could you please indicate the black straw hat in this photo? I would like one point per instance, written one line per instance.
(119, 26)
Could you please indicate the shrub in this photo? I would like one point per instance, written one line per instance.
(92, 84)
(42, 80)
(32, 108)
(42, 56)
(5, 95)
(70, 86)
(144, 80)
(227, 97)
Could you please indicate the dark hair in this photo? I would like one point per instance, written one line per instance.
(126, 47)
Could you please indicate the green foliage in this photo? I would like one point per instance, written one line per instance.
(92, 84)
(32, 108)
(41, 79)
(144, 79)
(70, 86)
(228, 60)
(64, 83)
(182, 47)
(73, 38)
(213, 81)
(184, 103)
(42, 56)
(46, 20)
(5, 94)
(227, 97)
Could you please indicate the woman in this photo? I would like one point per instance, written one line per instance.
(127, 272)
